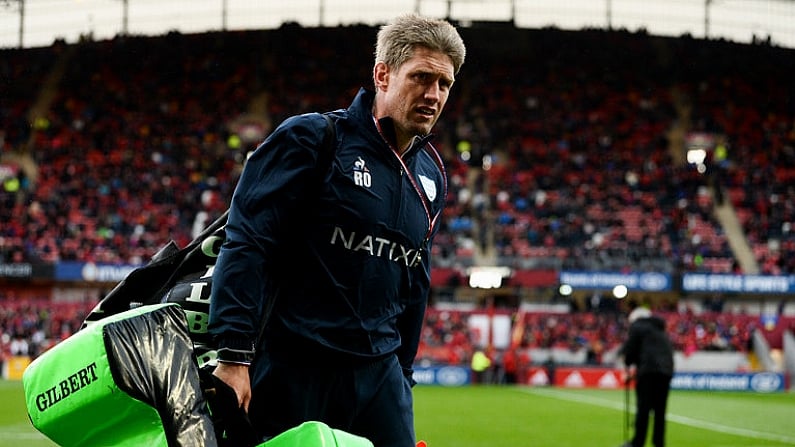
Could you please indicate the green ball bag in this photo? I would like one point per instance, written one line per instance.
(316, 434)
(126, 380)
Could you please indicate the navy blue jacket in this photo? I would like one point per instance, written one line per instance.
(337, 256)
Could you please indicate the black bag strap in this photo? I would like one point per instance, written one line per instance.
(329, 141)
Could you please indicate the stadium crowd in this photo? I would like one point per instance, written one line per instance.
(30, 327)
(449, 339)
(572, 160)
(559, 154)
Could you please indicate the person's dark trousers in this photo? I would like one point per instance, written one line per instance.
(651, 391)
(371, 399)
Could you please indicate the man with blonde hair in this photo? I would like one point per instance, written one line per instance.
(320, 288)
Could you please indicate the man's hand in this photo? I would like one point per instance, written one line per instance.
(236, 376)
(229, 400)
(629, 374)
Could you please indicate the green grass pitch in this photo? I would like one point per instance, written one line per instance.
(507, 416)
(556, 417)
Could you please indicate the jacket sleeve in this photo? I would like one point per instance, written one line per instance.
(631, 348)
(275, 182)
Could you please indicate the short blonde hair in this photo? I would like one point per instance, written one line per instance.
(397, 40)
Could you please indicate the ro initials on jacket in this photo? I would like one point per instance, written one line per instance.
(377, 246)
(361, 174)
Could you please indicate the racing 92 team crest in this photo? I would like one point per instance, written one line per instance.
(429, 186)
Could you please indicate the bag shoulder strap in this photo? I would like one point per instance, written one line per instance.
(329, 141)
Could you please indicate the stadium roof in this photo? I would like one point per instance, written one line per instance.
(33, 23)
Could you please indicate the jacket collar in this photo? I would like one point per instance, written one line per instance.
(362, 109)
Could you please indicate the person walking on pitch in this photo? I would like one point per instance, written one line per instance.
(649, 352)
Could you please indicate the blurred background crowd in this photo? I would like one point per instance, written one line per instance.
(565, 150)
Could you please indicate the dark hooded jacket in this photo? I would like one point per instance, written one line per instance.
(648, 347)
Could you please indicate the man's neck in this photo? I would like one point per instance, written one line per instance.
(386, 126)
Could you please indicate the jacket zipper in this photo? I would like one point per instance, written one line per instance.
(404, 169)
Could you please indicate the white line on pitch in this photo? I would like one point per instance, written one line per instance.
(684, 420)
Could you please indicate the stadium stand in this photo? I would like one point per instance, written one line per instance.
(582, 177)
(560, 156)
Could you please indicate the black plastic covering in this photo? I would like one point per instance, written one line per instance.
(171, 264)
(151, 359)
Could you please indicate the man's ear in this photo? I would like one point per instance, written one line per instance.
(381, 76)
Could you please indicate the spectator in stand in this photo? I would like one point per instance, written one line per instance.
(480, 364)
(510, 365)
(19, 345)
(649, 352)
(312, 313)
